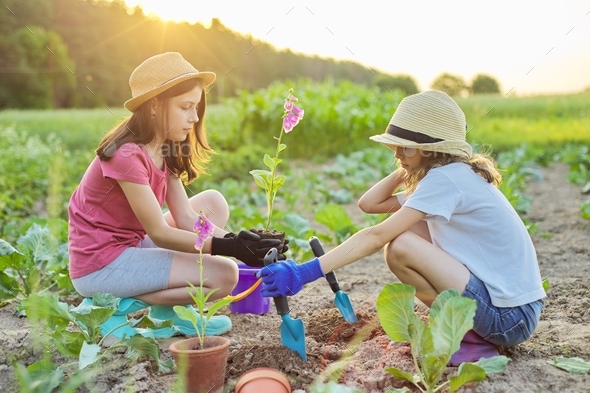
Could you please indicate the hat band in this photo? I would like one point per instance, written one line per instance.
(411, 135)
(179, 76)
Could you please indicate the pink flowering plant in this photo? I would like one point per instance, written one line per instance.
(204, 230)
(268, 180)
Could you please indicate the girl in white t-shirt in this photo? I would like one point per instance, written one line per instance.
(450, 228)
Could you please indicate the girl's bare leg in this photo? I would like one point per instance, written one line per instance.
(416, 261)
(221, 273)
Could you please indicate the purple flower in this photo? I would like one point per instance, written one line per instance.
(288, 105)
(204, 229)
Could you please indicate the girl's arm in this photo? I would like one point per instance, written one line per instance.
(370, 240)
(183, 214)
(180, 208)
(144, 204)
(380, 198)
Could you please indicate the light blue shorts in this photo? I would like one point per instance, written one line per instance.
(137, 271)
(505, 326)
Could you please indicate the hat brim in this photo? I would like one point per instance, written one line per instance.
(458, 148)
(134, 103)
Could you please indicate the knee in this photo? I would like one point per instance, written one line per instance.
(397, 250)
(216, 207)
(229, 277)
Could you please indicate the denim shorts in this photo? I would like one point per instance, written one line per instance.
(505, 326)
(138, 270)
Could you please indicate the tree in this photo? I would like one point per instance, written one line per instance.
(453, 85)
(484, 84)
(404, 83)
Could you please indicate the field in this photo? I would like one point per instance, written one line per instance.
(541, 144)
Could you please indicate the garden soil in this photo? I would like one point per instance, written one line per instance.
(356, 354)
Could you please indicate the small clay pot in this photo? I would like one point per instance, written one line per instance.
(269, 234)
(263, 380)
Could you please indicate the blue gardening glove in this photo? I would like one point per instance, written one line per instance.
(286, 278)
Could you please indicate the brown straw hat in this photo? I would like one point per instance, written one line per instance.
(159, 73)
(430, 121)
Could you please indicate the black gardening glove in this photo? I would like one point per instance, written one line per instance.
(246, 246)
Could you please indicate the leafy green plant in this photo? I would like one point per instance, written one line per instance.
(268, 180)
(84, 342)
(571, 365)
(451, 316)
(204, 229)
(337, 220)
(39, 264)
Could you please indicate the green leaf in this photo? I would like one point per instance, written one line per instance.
(395, 308)
(91, 317)
(493, 365)
(269, 162)
(259, 180)
(69, 343)
(468, 372)
(186, 314)
(146, 322)
(279, 181)
(40, 377)
(146, 346)
(9, 287)
(432, 362)
(38, 243)
(106, 300)
(441, 299)
(10, 257)
(215, 306)
(449, 324)
(400, 375)
(545, 284)
(571, 365)
(48, 308)
(88, 355)
(282, 147)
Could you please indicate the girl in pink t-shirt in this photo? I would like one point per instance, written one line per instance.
(119, 240)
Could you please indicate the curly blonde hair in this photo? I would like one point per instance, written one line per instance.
(481, 163)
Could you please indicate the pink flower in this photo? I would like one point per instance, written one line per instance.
(288, 105)
(299, 112)
(290, 121)
(204, 229)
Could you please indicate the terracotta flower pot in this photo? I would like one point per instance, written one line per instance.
(203, 370)
(263, 380)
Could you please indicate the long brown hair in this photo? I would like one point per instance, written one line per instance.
(140, 128)
(481, 163)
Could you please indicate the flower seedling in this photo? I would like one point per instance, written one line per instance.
(451, 316)
(268, 180)
(204, 229)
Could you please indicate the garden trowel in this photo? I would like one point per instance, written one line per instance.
(292, 330)
(341, 299)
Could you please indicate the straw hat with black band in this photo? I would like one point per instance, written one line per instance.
(430, 121)
(159, 73)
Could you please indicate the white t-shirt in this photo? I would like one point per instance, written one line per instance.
(472, 221)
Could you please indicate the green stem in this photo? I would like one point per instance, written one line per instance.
(201, 333)
(271, 197)
(112, 330)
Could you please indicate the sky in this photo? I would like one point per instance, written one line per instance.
(530, 47)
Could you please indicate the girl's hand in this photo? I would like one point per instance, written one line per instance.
(246, 246)
(287, 278)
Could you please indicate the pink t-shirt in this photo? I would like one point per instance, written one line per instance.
(102, 224)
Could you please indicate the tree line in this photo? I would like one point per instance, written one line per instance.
(80, 53)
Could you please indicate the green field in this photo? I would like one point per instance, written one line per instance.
(500, 122)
